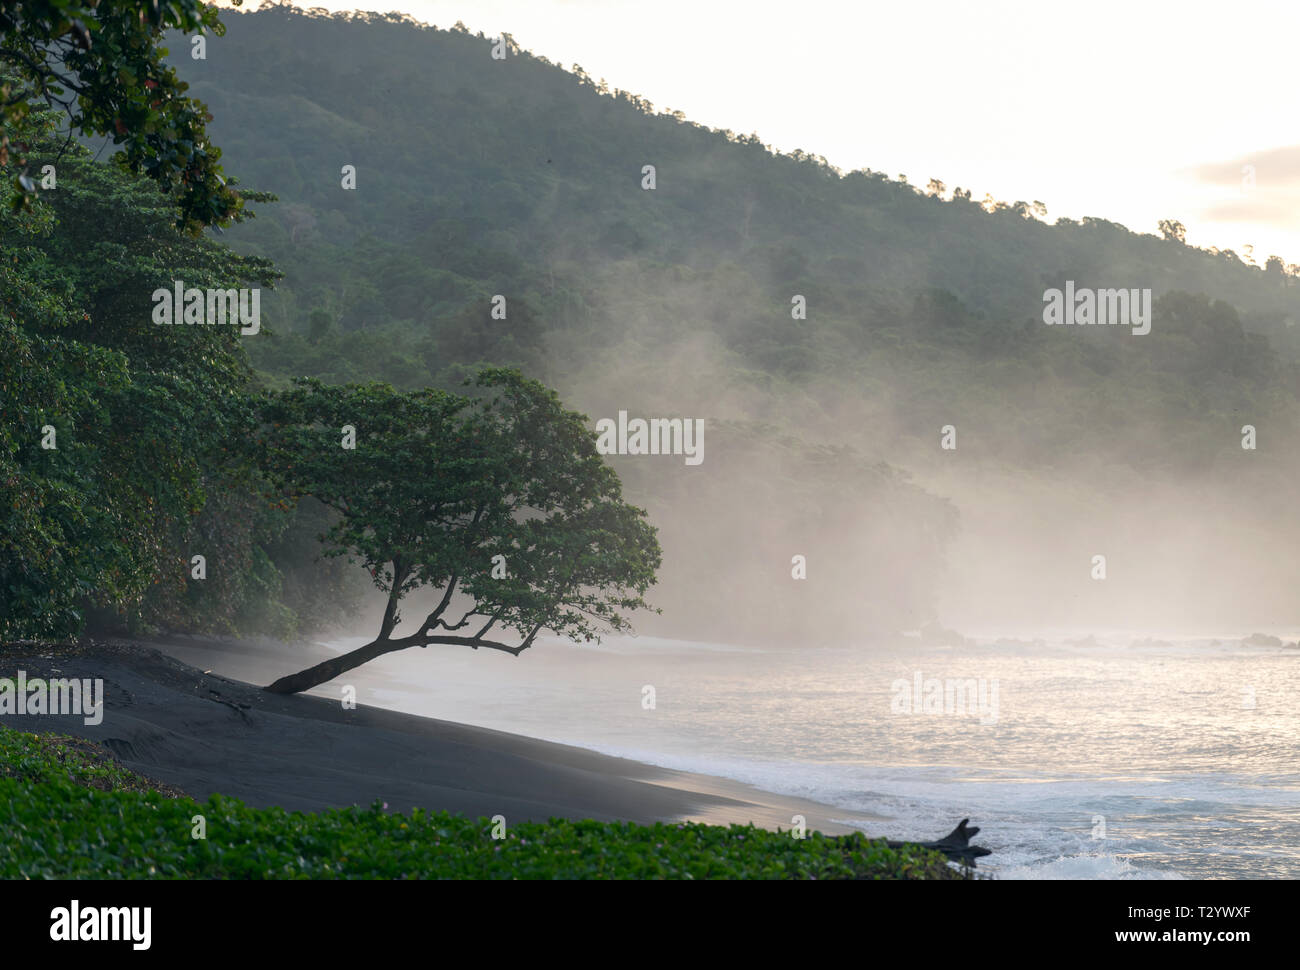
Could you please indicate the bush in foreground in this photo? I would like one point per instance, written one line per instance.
(68, 810)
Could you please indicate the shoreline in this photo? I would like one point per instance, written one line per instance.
(172, 716)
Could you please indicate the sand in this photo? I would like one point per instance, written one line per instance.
(207, 733)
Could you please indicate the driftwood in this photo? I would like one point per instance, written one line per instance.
(955, 845)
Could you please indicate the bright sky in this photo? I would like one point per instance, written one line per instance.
(1133, 111)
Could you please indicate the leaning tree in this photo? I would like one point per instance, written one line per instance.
(495, 499)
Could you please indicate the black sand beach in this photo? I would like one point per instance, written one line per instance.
(206, 733)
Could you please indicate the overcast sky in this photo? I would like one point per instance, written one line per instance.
(1132, 111)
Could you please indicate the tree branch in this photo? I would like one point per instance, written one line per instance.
(488, 625)
(528, 641)
(464, 622)
(475, 643)
(431, 621)
(394, 594)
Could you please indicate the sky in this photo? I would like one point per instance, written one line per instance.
(1131, 111)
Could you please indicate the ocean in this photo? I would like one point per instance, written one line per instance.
(1098, 756)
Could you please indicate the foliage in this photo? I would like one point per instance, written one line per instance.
(34, 758)
(148, 466)
(100, 62)
(58, 828)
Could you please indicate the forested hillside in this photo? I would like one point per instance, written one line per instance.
(478, 176)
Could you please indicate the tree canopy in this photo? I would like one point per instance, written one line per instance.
(497, 499)
(100, 62)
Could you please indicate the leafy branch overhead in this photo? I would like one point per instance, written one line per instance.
(100, 63)
(497, 499)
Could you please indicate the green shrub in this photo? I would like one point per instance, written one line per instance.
(69, 812)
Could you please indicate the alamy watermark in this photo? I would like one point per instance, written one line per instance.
(57, 696)
(657, 436)
(967, 697)
(102, 924)
(241, 308)
(1084, 306)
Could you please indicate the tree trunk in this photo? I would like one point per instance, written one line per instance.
(329, 669)
(955, 845)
